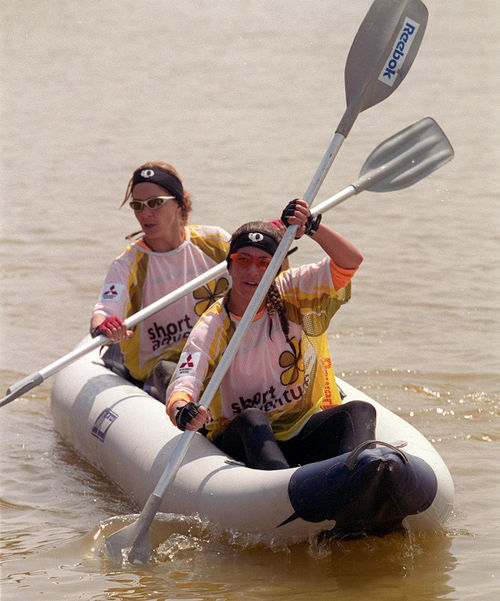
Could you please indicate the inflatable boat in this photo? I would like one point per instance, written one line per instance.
(398, 481)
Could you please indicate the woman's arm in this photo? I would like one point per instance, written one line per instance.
(202, 351)
(338, 248)
(194, 420)
(107, 313)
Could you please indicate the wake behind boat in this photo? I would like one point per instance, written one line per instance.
(380, 487)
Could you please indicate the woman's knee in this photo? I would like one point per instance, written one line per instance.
(251, 418)
(361, 408)
(363, 416)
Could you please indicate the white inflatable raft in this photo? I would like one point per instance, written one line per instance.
(125, 433)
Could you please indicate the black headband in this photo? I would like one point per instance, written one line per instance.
(165, 179)
(257, 239)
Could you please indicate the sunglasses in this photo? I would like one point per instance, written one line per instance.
(152, 203)
(246, 260)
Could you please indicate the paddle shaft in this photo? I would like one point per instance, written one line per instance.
(244, 324)
(429, 150)
(400, 161)
(375, 37)
(388, 18)
(413, 153)
(375, 46)
(36, 378)
(154, 501)
(410, 155)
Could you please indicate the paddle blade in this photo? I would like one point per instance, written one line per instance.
(134, 542)
(381, 54)
(131, 542)
(405, 158)
(19, 388)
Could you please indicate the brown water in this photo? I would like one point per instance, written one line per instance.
(243, 98)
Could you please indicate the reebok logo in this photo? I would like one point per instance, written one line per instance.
(399, 52)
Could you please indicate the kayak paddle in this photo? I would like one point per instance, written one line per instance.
(399, 162)
(36, 378)
(381, 55)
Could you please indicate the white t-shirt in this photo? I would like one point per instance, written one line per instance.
(140, 276)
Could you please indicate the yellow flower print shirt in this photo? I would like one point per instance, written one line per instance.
(289, 380)
(140, 276)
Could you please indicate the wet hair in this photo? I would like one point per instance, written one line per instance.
(186, 204)
(274, 302)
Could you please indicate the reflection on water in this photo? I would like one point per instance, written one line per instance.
(193, 559)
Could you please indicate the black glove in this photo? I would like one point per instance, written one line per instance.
(311, 224)
(185, 414)
(288, 211)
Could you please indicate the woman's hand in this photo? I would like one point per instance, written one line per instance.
(189, 416)
(297, 213)
(344, 253)
(113, 327)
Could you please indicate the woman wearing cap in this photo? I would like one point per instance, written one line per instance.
(168, 254)
(278, 404)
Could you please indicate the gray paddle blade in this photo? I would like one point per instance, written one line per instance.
(131, 543)
(405, 158)
(381, 54)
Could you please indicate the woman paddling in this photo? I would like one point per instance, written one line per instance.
(168, 254)
(278, 404)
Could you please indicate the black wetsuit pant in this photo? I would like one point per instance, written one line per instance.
(249, 437)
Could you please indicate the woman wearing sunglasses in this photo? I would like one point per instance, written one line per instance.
(169, 253)
(278, 404)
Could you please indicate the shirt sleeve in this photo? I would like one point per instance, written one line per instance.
(340, 275)
(114, 294)
(201, 352)
(315, 279)
(310, 296)
(226, 236)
